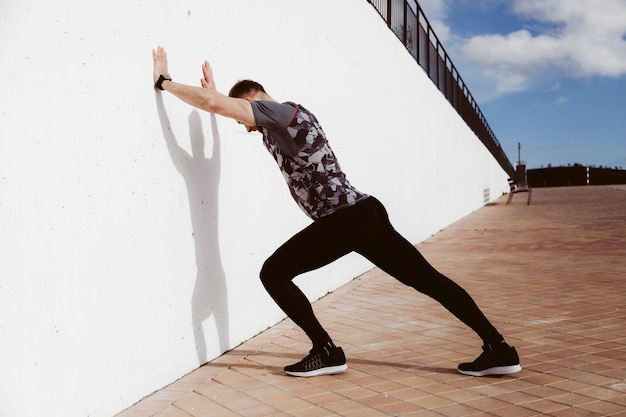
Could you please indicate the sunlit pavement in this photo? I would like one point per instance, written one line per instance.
(552, 278)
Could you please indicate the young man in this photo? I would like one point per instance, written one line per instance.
(344, 220)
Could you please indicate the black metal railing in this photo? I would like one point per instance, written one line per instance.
(407, 20)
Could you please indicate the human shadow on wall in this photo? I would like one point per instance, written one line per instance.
(202, 176)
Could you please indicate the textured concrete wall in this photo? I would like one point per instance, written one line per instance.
(133, 227)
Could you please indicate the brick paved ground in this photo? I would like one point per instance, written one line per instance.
(551, 276)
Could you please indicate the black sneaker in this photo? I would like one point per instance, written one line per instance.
(500, 361)
(327, 361)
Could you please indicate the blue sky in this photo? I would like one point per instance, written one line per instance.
(549, 74)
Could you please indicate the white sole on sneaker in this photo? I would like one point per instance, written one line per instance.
(496, 370)
(329, 370)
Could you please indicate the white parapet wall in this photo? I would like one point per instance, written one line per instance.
(133, 227)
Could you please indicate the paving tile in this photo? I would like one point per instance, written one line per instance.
(461, 396)
(172, 412)
(457, 410)
(400, 408)
(572, 399)
(549, 276)
(487, 404)
(517, 397)
(433, 401)
(201, 406)
(515, 411)
(135, 411)
(603, 393)
(575, 413)
(346, 407)
(545, 406)
(603, 407)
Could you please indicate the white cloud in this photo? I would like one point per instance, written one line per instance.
(578, 39)
(555, 87)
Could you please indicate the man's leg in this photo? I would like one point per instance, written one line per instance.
(304, 252)
(400, 259)
(322, 242)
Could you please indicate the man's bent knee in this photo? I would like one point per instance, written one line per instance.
(271, 274)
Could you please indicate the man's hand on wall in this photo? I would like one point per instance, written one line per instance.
(207, 81)
(160, 63)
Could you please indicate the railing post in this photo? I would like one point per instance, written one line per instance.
(417, 33)
(404, 29)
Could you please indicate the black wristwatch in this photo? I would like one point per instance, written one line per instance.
(160, 81)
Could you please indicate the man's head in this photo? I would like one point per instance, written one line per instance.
(247, 89)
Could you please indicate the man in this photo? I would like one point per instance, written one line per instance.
(344, 220)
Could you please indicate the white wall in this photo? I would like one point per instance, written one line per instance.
(127, 262)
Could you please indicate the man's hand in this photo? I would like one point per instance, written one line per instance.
(205, 97)
(160, 63)
(207, 81)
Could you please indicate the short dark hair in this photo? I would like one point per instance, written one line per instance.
(245, 87)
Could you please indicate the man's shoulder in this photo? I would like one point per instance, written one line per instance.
(273, 114)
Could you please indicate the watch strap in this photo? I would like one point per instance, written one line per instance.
(162, 77)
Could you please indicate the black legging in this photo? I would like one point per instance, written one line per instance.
(363, 228)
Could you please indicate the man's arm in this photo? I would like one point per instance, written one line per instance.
(206, 97)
